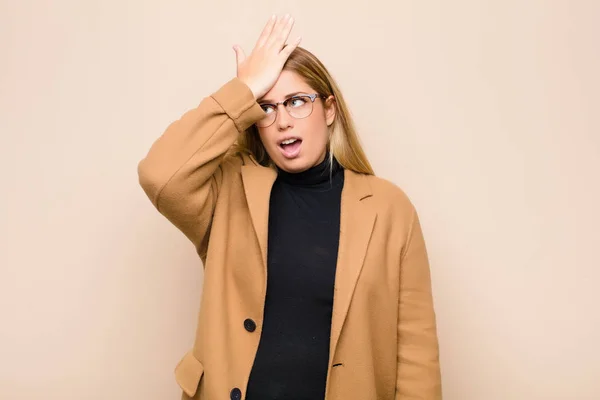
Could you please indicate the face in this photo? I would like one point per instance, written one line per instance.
(308, 136)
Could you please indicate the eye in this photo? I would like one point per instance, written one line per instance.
(297, 101)
(267, 108)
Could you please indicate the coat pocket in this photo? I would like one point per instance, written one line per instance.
(188, 373)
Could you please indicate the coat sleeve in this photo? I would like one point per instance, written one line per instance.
(418, 374)
(183, 170)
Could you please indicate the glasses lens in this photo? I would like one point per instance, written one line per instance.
(299, 106)
(271, 113)
(266, 121)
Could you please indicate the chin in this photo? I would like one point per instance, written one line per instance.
(295, 165)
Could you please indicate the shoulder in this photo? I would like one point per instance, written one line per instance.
(390, 194)
(233, 161)
(396, 212)
(391, 201)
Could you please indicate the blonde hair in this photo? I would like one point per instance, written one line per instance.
(344, 143)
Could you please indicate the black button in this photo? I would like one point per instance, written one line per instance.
(249, 325)
(236, 394)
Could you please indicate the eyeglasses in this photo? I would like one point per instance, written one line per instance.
(300, 106)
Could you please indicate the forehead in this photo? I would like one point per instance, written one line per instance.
(288, 82)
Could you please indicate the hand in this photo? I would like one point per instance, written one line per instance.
(261, 69)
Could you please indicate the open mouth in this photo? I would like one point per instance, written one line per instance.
(290, 147)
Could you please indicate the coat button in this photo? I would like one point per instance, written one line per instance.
(236, 394)
(249, 325)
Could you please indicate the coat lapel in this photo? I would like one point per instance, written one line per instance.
(356, 225)
(258, 182)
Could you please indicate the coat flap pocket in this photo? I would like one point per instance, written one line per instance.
(188, 373)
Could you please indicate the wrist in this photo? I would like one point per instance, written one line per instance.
(255, 91)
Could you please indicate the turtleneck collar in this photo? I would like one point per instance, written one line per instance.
(317, 176)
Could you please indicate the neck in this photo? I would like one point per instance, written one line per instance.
(320, 175)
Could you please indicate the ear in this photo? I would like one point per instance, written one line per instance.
(330, 110)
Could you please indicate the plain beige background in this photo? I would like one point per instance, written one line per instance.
(485, 112)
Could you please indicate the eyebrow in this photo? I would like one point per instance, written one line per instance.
(269, 101)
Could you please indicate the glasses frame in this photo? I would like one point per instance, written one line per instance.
(312, 97)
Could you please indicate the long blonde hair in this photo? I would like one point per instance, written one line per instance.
(344, 143)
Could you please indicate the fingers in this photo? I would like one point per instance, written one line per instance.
(285, 34)
(239, 54)
(289, 48)
(266, 31)
(280, 32)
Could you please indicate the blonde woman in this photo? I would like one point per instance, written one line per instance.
(316, 276)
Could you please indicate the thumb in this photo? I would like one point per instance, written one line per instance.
(239, 54)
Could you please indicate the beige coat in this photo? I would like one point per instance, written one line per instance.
(383, 332)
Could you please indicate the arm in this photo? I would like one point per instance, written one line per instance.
(418, 375)
(182, 172)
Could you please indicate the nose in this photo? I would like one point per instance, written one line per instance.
(284, 119)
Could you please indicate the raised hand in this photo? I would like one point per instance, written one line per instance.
(261, 69)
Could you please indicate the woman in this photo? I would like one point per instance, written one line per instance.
(316, 279)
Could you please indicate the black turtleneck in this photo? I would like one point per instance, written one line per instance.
(304, 225)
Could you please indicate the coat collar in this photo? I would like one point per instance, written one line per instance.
(357, 220)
